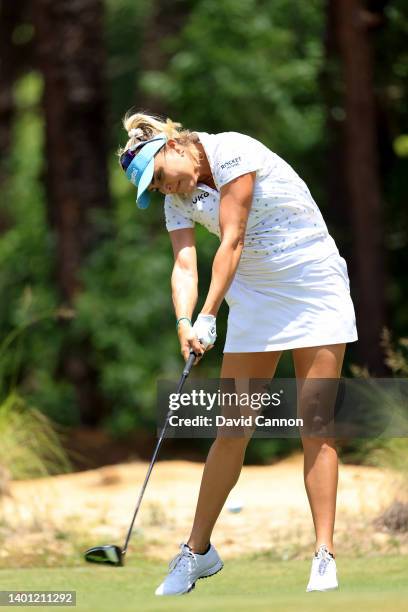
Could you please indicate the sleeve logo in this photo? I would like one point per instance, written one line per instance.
(231, 163)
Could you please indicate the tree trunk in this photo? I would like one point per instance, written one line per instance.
(338, 212)
(362, 175)
(71, 57)
(72, 60)
(15, 57)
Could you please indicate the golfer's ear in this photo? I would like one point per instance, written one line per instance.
(175, 145)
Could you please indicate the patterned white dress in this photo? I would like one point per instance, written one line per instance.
(291, 288)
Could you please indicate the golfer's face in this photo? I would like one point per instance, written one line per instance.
(174, 172)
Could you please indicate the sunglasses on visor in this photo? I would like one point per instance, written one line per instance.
(126, 158)
(128, 155)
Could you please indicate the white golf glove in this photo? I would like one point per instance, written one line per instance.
(205, 329)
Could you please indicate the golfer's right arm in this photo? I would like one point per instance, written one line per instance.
(184, 285)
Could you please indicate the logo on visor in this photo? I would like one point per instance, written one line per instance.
(133, 177)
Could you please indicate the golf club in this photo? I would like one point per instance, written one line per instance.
(114, 555)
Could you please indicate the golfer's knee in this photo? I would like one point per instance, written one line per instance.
(320, 445)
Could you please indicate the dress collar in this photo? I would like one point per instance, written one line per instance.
(204, 187)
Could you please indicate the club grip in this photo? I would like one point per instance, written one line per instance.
(189, 364)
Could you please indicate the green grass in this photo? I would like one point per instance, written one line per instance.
(251, 583)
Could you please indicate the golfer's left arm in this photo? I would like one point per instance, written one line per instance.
(235, 205)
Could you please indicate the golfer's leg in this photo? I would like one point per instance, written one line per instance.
(226, 455)
(320, 454)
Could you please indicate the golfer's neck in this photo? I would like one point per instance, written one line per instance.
(205, 175)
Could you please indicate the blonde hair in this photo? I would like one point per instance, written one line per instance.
(149, 126)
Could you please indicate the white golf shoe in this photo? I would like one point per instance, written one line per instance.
(186, 568)
(323, 576)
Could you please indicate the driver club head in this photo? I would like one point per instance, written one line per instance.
(106, 555)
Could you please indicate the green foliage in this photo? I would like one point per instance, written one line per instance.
(126, 310)
(30, 446)
(27, 248)
(391, 71)
(401, 145)
(383, 452)
(245, 66)
(125, 22)
(251, 66)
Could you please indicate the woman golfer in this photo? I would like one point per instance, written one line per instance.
(285, 283)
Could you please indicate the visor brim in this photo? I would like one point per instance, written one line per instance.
(143, 196)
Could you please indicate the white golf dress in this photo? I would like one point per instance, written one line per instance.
(291, 288)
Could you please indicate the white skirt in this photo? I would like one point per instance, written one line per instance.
(306, 305)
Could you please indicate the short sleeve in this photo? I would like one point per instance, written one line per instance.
(176, 215)
(236, 154)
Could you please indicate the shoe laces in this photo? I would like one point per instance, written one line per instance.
(183, 558)
(325, 558)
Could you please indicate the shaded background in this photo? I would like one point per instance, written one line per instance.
(86, 318)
